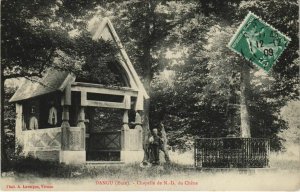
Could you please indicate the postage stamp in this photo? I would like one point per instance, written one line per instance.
(258, 42)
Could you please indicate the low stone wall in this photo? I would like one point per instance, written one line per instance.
(65, 145)
(43, 139)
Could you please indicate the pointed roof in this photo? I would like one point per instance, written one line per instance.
(55, 80)
(106, 31)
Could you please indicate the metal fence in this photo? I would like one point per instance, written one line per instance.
(232, 152)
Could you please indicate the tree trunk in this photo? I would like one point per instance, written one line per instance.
(4, 158)
(147, 102)
(165, 143)
(147, 76)
(245, 85)
(146, 127)
(147, 70)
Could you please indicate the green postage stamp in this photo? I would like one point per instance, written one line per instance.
(258, 42)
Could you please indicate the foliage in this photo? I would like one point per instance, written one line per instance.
(87, 58)
(36, 36)
(290, 113)
(200, 97)
(203, 99)
(145, 28)
(9, 121)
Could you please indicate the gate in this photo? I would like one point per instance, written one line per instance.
(232, 152)
(104, 146)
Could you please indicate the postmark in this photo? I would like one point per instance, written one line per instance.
(258, 42)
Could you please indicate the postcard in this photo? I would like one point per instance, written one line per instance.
(150, 95)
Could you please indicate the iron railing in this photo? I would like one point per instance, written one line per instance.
(232, 152)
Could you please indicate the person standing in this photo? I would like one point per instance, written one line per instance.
(155, 144)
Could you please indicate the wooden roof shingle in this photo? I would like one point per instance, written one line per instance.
(54, 80)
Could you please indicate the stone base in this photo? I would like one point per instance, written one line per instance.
(79, 157)
(72, 157)
(132, 156)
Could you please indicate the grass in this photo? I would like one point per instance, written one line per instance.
(181, 163)
(284, 175)
(45, 169)
(285, 161)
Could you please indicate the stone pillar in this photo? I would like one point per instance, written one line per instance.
(70, 153)
(132, 148)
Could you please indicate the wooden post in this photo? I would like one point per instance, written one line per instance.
(127, 102)
(83, 98)
(81, 118)
(139, 128)
(139, 105)
(125, 130)
(66, 102)
(138, 118)
(65, 117)
(125, 118)
(81, 124)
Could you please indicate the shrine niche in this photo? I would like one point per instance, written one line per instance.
(73, 119)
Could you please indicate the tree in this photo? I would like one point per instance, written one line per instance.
(290, 114)
(285, 64)
(211, 76)
(179, 99)
(17, 36)
(36, 36)
(145, 27)
(8, 129)
(43, 37)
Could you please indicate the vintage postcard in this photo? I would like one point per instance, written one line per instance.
(150, 95)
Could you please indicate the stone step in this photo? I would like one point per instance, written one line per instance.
(105, 162)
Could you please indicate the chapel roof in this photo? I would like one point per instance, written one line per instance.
(56, 80)
(53, 80)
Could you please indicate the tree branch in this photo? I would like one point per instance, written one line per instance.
(35, 74)
(18, 75)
